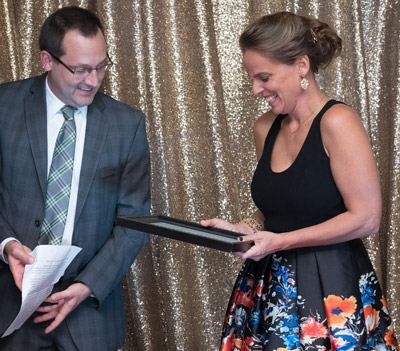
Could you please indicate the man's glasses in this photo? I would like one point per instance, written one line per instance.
(84, 71)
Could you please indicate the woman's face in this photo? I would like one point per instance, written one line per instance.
(276, 82)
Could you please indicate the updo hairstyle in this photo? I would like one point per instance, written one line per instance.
(285, 36)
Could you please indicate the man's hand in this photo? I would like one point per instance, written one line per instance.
(64, 302)
(18, 256)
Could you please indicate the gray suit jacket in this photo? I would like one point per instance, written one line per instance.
(114, 181)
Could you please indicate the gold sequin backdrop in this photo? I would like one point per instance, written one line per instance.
(179, 62)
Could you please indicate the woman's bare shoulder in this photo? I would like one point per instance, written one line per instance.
(264, 122)
(340, 116)
(341, 127)
(260, 130)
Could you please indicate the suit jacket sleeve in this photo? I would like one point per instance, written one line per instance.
(114, 258)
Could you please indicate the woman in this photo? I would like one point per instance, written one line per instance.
(307, 282)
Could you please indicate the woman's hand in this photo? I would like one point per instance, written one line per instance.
(265, 243)
(220, 223)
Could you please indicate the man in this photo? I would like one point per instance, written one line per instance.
(110, 177)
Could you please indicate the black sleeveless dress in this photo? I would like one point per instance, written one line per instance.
(314, 298)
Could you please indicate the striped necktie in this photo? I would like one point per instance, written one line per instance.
(59, 181)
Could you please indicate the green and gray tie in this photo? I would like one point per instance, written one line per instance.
(59, 182)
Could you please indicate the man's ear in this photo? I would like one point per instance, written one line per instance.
(46, 59)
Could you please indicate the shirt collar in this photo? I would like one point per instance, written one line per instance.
(54, 104)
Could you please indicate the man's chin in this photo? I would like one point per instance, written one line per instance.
(83, 101)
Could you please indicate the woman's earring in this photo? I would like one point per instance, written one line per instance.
(304, 83)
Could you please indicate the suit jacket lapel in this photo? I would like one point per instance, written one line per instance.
(96, 132)
(36, 122)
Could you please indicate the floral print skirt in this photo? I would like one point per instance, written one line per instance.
(317, 298)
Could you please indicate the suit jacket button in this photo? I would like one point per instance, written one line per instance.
(37, 223)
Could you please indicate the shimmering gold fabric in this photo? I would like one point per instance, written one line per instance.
(179, 62)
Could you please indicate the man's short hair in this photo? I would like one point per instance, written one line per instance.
(63, 20)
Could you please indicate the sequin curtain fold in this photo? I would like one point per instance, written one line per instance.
(179, 62)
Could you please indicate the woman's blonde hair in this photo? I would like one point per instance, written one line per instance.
(285, 36)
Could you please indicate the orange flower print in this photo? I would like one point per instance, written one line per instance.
(371, 318)
(336, 343)
(383, 300)
(226, 347)
(338, 310)
(312, 330)
(391, 339)
(235, 298)
(260, 287)
(246, 299)
(243, 295)
(249, 341)
(384, 305)
(227, 342)
(238, 343)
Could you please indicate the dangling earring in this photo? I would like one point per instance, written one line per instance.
(304, 83)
